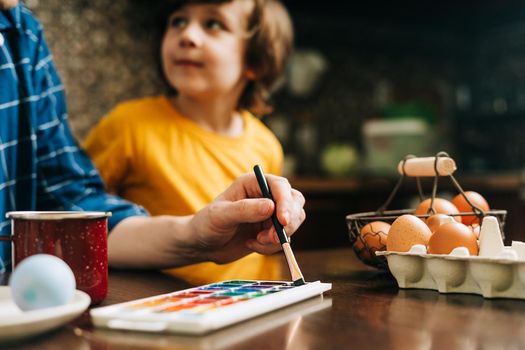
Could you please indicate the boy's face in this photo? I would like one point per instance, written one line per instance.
(203, 49)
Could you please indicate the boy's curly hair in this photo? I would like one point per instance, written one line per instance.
(268, 49)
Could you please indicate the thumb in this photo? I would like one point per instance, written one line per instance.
(246, 211)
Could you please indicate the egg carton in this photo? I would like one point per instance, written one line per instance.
(498, 271)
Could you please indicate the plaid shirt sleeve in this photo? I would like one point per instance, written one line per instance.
(41, 164)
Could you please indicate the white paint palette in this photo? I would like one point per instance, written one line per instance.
(206, 308)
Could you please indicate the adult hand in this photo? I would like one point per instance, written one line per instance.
(238, 221)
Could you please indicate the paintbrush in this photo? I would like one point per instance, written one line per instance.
(297, 276)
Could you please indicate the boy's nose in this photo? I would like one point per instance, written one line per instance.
(191, 35)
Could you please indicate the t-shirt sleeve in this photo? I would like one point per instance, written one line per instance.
(275, 154)
(109, 146)
(268, 145)
(276, 159)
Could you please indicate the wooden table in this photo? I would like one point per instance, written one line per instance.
(365, 309)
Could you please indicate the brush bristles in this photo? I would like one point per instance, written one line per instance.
(297, 276)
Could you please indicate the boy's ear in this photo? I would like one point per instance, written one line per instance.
(250, 74)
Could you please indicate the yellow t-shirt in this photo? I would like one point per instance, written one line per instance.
(150, 154)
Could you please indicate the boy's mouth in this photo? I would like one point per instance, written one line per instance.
(188, 63)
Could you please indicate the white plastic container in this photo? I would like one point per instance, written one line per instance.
(388, 141)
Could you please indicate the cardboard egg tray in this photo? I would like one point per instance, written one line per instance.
(489, 277)
(498, 271)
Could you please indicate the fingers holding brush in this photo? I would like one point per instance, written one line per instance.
(289, 203)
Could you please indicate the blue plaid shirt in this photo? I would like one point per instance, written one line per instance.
(41, 164)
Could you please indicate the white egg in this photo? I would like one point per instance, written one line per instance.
(41, 281)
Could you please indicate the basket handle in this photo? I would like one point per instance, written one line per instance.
(427, 166)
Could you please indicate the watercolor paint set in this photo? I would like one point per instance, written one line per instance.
(226, 338)
(205, 308)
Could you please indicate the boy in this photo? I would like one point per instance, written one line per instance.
(174, 153)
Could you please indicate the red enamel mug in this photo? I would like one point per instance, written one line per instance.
(78, 238)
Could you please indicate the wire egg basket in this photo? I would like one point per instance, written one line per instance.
(365, 244)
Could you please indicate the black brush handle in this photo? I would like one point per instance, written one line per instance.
(283, 237)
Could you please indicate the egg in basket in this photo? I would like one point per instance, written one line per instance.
(437, 224)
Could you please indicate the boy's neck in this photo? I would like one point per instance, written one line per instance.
(217, 116)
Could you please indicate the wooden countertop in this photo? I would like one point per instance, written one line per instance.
(364, 310)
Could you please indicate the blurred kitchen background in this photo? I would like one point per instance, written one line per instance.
(370, 82)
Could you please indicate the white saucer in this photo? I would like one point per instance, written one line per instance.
(15, 323)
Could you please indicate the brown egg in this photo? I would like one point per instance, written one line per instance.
(441, 206)
(406, 231)
(450, 236)
(374, 234)
(475, 198)
(436, 220)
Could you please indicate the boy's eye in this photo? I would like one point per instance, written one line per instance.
(178, 22)
(214, 24)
